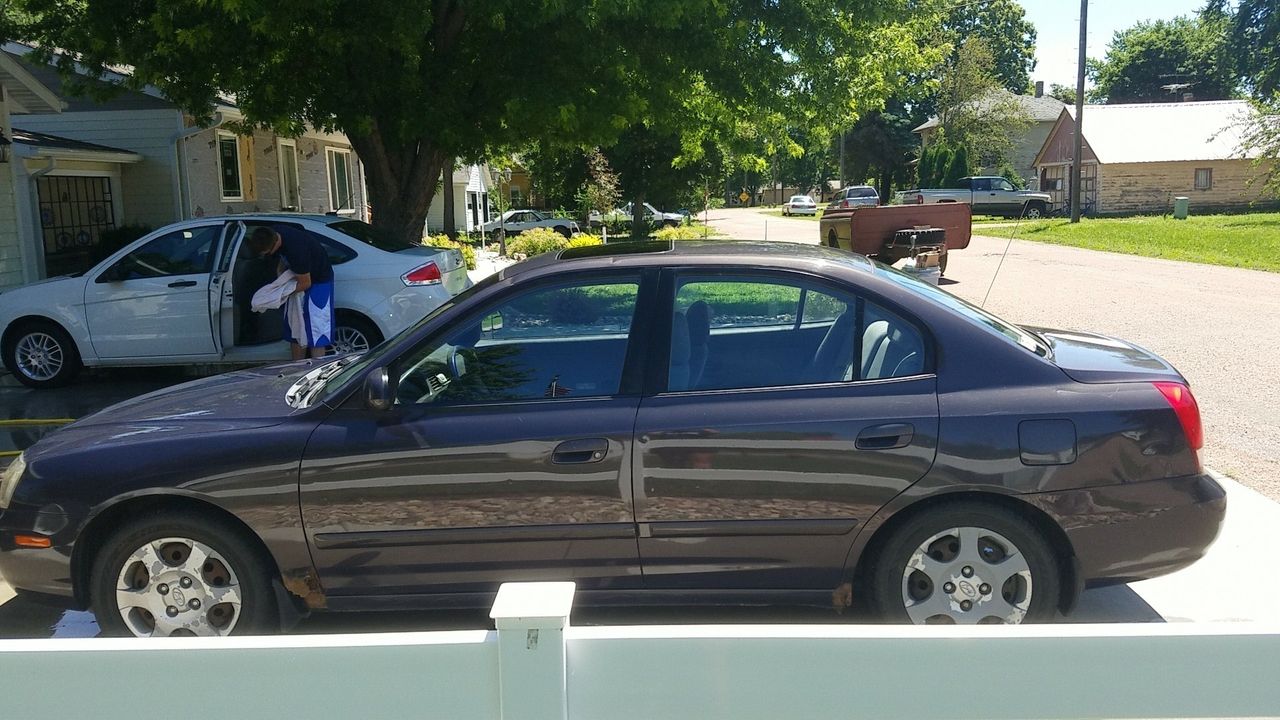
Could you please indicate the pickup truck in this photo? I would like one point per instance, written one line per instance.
(986, 196)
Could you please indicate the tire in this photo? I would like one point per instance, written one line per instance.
(233, 569)
(1028, 590)
(354, 333)
(41, 355)
(1034, 211)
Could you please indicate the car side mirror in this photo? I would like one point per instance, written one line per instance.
(379, 390)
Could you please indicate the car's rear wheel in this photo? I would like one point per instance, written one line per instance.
(181, 574)
(41, 355)
(968, 564)
(352, 333)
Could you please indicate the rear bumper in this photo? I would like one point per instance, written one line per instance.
(1136, 531)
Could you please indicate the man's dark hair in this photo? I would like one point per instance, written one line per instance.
(262, 240)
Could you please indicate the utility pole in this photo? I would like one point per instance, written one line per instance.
(1077, 157)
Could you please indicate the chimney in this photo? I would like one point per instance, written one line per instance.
(1039, 88)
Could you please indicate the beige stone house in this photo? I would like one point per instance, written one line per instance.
(88, 166)
(1138, 158)
(1042, 112)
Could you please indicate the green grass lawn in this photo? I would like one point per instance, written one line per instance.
(1248, 241)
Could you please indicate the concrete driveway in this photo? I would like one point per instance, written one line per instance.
(1220, 326)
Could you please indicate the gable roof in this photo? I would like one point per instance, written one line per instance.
(1165, 132)
(25, 91)
(1039, 109)
(47, 144)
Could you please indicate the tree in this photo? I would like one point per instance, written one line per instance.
(957, 167)
(600, 192)
(880, 146)
(1003, 27)
(1065, 93)
(1156, 61)
(974, 112)
(1255, 42)
(415, 82)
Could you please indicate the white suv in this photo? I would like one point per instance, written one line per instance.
(181, 294)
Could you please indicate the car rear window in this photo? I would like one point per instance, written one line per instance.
(865, 192)
(369, 235)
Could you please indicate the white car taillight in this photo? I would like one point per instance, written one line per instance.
(428, 274)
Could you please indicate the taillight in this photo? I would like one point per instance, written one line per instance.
(428, 274)
(1188, 412)
(844, 203)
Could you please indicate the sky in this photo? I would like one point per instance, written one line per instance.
(1058, 31)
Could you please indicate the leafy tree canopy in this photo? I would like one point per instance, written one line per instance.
(1003, 26)
(1142, 61)
(975, 112)
(413, 83)
(1255, 42)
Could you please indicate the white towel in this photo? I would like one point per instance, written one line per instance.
(294, 316)
(270, 297)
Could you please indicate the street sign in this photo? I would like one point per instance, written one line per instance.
(743, 197)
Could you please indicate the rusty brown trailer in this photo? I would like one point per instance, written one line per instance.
(871, 230)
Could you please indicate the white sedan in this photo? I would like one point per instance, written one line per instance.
(181, 295)
(800, 205)
(517, 221)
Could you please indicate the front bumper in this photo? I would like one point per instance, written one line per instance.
(43, 570)
(1135, 531)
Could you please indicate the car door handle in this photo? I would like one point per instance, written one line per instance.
(586, 450)
(183, 283)
(885, 437)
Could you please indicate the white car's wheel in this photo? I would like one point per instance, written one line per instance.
(41, 355)
(354, 335)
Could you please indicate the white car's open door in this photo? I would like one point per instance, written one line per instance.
(221, 293)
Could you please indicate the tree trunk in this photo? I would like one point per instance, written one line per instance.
(446, 196)
(639, 223)
(401, 181)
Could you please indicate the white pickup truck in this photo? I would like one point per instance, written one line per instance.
(986, 196)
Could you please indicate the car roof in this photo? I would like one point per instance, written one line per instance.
(277, 217)
(653, 253)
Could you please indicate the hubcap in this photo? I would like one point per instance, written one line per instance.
(177, 586)
(348, 339)
(966, 575)
(39, 356)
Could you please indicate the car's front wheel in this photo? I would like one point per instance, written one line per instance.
(1034, 211)
(181, 574)
(41, 355)
(967, 564)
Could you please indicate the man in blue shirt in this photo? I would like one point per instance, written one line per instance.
(306, 257)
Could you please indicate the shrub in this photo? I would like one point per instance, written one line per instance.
(536, 241)
(585, 241)
(443, 241)
(681, 232)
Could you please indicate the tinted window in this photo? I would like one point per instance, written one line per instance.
(980, 184)
(552, 343)
(337, 252)
(750, 333)
(181, 252)
(369, 235)
(865, 192)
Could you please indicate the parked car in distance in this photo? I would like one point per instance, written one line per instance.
(987, 196)
(854, 196)
(652, 215)
(800, 205)
(517, 221)
(181, 295)
(729, 422)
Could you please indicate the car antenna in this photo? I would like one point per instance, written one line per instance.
(1012, 233)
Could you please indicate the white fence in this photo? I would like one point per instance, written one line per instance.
(535, 666)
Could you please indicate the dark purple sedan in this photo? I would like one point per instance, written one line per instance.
(723, 422)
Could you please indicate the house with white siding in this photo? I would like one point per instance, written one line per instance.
(471, 207)
(90, 165)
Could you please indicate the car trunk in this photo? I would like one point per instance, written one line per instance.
(1091, 358)
(453, 267)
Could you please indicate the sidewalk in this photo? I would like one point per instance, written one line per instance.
(487, 263)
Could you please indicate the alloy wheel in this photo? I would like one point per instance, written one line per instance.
(967, 575)
(39, 356)
(177, 586)
(347, 339)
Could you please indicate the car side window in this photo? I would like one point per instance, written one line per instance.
(980, 184)
(568, 341)
(181, 252)
(729, 333)
(1004, 185)
(337, 252)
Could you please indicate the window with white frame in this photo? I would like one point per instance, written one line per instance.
(229, 166)
(290, 194)
(340, 189)
(1204, 178)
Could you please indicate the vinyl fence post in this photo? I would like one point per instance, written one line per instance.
(531, 619)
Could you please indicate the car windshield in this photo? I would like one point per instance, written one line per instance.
(369, 235)
(334, 383)
(972, 313)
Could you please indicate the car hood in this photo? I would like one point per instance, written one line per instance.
(240, 399)
(43, 284)
(1092, 358)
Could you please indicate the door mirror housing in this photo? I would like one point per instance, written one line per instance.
(379, 390)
